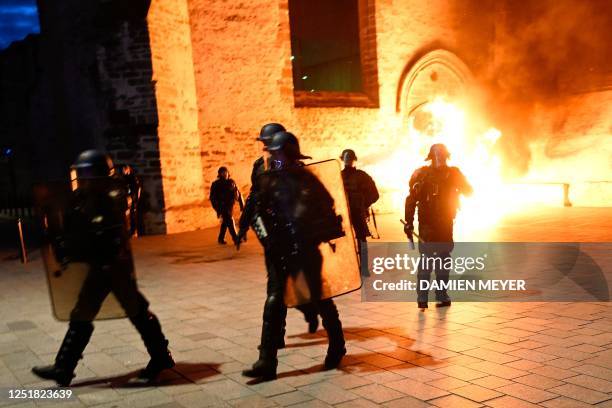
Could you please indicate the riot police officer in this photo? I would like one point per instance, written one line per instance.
(251, 217)
(361, 193)
(435, 191)
(223, 195)
(296, 211)
(95, 232)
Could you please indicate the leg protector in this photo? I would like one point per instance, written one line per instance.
(150, 330)
(69, 354)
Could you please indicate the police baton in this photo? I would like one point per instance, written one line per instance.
(410, 238)
(374, 222)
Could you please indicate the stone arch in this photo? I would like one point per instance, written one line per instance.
(436, 73)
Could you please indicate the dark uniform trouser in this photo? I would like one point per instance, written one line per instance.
(227, 223)
(361, 233)
(435, 251)
(275, 286)
(275, 310)
(119, 279)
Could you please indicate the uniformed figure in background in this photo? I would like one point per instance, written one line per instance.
(435, 191)
(223, 195)
(134, 188)
(295, 207)
(251, 217)
(361, 193)
(96, 233)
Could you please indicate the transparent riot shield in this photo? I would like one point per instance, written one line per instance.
(66, 271)
(340, 271)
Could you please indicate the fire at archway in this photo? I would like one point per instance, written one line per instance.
(474, 149)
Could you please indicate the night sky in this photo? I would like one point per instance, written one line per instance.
(18, 18)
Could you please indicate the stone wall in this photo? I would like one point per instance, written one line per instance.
(96, 91)
(241, 58)
(180, 145)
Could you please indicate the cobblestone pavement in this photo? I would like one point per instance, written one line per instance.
(210, 298)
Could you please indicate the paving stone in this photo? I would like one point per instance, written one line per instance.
(491, 382)
(226, 389)
(349, 381)
(291, 398)
(417, 389)
(580, 393)
(533, 355)
(252, 401)
(538, 381)
(510, 402)
(377, 393)
(476, 393)
(407, 402)
(454, 401)
(447, 383)
(200, 399)
(508, 353)
(357, 403)
(328, 393)
(563, 402)
(593, 383)
(526, 393)
(552, 372)
(498, 370)
(593, 370)
(21, 325)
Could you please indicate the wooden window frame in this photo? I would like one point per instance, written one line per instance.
(368, 98)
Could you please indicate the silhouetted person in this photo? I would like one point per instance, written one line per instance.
(435, 191)
(361, 193)
(223, 195)
(95, 232)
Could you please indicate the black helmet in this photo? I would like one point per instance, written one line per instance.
(268, 130)
(439, 150)
(287, 142)
(350, 153)
(222, 169)
(93, 164)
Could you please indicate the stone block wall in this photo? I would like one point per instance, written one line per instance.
(180, 147)
(241, 58)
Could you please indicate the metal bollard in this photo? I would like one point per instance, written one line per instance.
(24, 254)
(566, 200)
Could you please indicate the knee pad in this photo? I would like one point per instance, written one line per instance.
(274, 306)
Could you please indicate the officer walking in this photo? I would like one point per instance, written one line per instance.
(251, 217)
(296, 211)
(95, 232)
(223, 195)
(435, 191)
(361, 193)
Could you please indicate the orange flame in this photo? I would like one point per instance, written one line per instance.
(473, 150)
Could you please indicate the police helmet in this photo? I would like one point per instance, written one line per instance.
(350, 153)
(439, 150)
(268, 130)
(287, 142)
(93, 164)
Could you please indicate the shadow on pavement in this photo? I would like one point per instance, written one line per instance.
(197, 371)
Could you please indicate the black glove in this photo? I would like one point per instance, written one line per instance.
(408, 229)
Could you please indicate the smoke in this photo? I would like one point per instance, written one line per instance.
(546, 52)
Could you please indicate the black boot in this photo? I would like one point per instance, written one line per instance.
(272, 330)
(68, 356)
(150, 330)
(265, 367)
(311, 316)
(333, 326)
